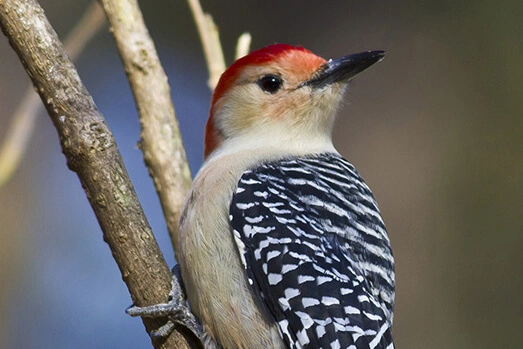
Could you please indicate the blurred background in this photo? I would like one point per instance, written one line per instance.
(436, 130)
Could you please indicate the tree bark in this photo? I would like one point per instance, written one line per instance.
(161, 144)
(91, 152)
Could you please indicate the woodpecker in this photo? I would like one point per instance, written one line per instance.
(281, 242)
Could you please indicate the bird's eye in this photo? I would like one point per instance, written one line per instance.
(270, 83)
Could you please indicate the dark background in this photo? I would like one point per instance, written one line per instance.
(436, 130)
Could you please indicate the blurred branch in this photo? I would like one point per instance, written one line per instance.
(23, 121)
(212, 47)
(243, 45)
(210, 37)
(91, 152)
(92, 21)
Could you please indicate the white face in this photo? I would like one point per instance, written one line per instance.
(270, 102)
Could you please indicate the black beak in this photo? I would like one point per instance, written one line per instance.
(345, 68)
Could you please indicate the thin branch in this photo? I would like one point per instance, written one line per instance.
(243, 45)
(92, 21)
(161, 143)
(91, 152)
(23, 121)
(210, 38)
(212, 47)
(18, 135)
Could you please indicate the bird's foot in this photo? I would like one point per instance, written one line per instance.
(176, 310)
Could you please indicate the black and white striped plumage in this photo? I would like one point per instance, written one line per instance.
(316, 252)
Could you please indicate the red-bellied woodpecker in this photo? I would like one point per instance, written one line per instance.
(281, 242)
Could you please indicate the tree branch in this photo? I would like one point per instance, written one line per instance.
(161, 143)
(210, 38)
(243, 45)
(91, 152)
(212, 47)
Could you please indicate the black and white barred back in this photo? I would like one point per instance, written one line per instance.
(316, 252)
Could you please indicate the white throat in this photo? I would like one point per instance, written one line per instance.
(276, 144)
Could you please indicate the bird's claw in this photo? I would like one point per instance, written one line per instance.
(175, 310)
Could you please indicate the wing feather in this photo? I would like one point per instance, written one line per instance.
(316, 252)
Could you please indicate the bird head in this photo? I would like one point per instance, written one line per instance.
(280, 95)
